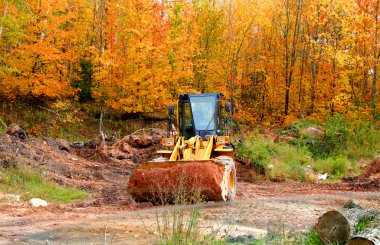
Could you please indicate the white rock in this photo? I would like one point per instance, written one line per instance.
(323, 176)
(12, 197)
(312, 131)
(37, 202)
(270, 166)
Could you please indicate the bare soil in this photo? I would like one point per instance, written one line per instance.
(104, 170)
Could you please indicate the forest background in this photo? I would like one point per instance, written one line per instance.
(279, 61)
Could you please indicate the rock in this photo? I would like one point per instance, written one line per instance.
(139, 141)
(238, 233)
(37, 202)
(323, 176)
(11, 197)
(77, 144)
(63, 145)
(352, 204)
(17, 132)
(312, 131)
(121, 157)
(8, 162)
(92, 144)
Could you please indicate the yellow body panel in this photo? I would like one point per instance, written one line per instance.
(196, 149)
(164, 152)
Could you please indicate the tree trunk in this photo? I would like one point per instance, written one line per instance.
(368, 236)
(5, 11)
(375, 55)
(338, 226)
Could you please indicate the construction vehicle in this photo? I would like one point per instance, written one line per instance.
(197, 156)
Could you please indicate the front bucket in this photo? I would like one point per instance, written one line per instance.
(180, 181)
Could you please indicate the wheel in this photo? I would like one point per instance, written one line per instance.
(229, 179)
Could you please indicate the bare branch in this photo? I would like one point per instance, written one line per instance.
(2, 122)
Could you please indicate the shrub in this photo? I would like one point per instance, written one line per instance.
(336, 166)
(258, 150)
(174, 227)
(312, 238)
(334, 141)
(279, 161)
(364, 141)
(283, 170)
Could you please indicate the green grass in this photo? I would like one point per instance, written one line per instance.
(31, 184)
(258, 150)
(312, 238)
(337, 166)
(279, 161)
(364, 142)
(364, 223)
(342, 145)
(289, 161)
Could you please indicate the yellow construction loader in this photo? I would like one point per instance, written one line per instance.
(197, 156)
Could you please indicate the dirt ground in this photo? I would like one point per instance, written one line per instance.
(104, 170)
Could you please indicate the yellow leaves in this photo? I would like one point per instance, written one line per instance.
(143, 53)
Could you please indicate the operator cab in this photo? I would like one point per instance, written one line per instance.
(200, 115)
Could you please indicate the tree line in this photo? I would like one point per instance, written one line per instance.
(277, 60)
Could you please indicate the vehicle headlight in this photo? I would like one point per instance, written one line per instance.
(168, 141)
(222, 140)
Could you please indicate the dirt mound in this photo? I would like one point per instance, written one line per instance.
(369, 180)
(101, 169)
(372, 170)
(17, 131)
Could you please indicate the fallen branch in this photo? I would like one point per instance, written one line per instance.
(52, 111)
(2, 122)
(147, 131)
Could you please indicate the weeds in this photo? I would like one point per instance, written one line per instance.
(312, 238)
(336, 149)
(3, 127)
(364, 223)
(29, 184)
(279, 161)
(258, 150)
(364, 141)
(178, 226)
(336, 166)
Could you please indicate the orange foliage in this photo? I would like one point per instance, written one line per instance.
(277, 60)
